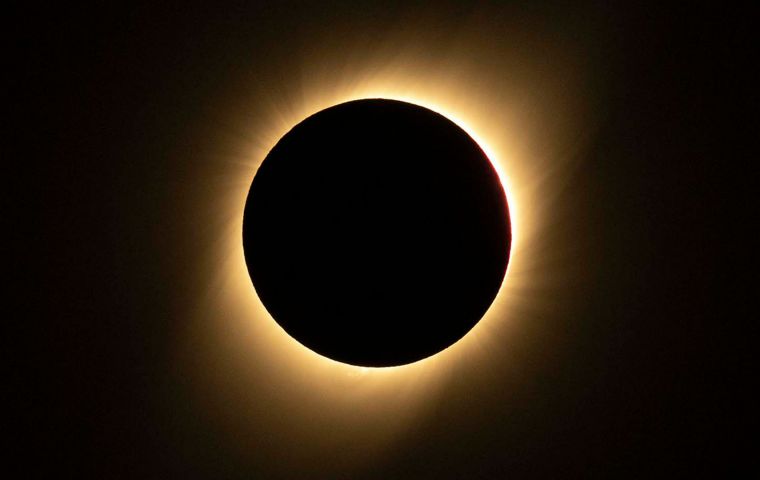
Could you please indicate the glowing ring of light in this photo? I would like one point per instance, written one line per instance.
(532, 140)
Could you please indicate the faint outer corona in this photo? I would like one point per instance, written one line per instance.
(376, 233)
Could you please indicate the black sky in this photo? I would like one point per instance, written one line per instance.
(640, 377)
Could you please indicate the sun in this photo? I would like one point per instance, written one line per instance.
(530, 127)
(377, 233)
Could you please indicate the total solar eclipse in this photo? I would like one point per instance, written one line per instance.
(376, 232)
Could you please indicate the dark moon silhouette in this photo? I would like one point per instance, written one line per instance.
(376, 232)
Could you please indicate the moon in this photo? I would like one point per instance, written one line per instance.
(376, 233)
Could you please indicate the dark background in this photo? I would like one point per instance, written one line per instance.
(645, 383)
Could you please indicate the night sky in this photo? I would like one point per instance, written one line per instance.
(130, 126)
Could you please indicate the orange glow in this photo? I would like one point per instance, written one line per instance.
(531, 127)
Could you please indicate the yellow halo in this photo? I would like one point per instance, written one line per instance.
(241, 357)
